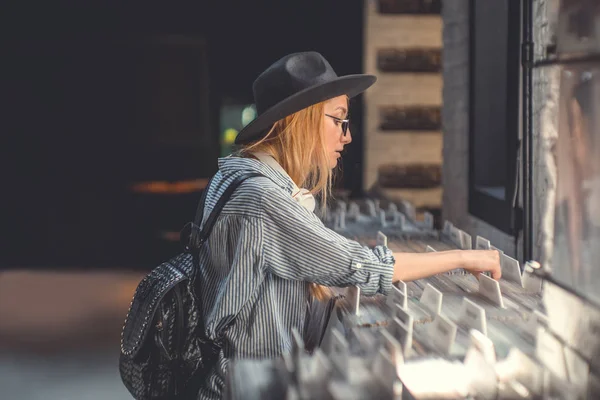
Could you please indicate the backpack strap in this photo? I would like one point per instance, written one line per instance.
(200, 210)
(198, 236)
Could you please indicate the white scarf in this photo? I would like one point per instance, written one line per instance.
(301, 195)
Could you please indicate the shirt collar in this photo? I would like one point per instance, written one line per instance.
(268, 159)
(232, 165)
(301, 195)
(266, 165)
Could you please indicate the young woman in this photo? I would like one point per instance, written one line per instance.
(268, 252)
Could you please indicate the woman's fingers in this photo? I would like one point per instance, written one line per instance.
(484, 261)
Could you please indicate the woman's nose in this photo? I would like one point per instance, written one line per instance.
(348, 137)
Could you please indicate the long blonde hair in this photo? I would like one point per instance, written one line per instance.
(297, 143)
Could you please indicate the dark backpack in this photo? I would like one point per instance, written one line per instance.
(165, 353)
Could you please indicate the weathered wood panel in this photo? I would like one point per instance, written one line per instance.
(413, 176)
(409, 60)
(414, 118)
(409, 6)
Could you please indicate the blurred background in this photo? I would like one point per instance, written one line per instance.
(115, 114)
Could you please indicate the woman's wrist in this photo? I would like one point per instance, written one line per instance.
(460, 259)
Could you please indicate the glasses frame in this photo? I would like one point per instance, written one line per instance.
(345, 123)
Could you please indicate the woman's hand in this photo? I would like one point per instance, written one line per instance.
(478, 261)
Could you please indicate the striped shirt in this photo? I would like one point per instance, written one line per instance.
(256, 266)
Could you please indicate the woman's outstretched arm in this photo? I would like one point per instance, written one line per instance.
(411, 266)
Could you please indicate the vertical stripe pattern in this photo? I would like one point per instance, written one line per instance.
(256, 265)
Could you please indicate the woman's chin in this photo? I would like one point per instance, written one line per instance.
(335, 160)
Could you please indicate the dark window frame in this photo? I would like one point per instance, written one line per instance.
(497, 212)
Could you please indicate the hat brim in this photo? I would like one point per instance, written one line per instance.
(350, 85)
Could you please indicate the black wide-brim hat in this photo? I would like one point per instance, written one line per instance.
(294, 83)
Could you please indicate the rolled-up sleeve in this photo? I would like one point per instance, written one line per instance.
(297, 245)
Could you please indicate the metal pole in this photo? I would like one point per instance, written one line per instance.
(527, 151)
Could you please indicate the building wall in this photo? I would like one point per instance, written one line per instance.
(455, 127)
(413, 155)
(546, 84)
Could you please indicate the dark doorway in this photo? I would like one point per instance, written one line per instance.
(113, 117)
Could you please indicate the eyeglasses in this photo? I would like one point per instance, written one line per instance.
(345, 123)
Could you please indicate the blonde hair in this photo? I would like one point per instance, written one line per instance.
(297, 143)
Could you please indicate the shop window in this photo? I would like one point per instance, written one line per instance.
(494, 113)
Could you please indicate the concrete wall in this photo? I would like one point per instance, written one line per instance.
(546, 84)
(405, 147)
(455, 126)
